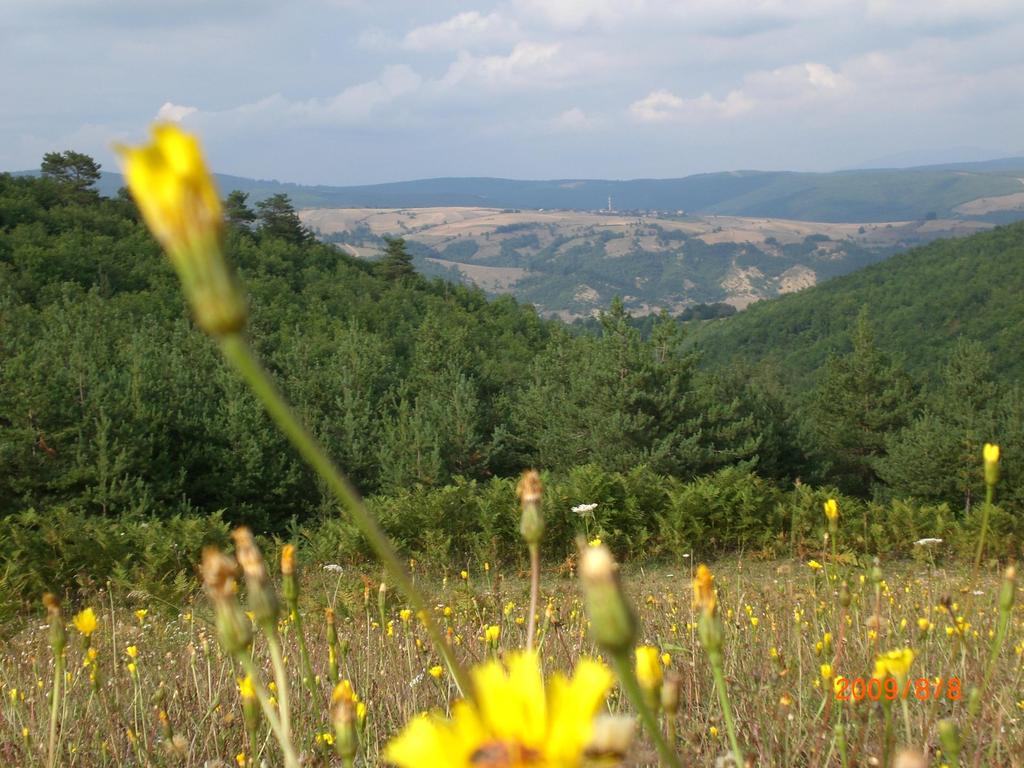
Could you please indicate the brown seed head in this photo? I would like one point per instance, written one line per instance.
(219, 572)
(529, 489)
(52, 603)
(248, 554)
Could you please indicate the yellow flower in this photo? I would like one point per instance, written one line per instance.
(463, 575)
(175, 193)
(894, 664)
(838, 685)
(436, 672)
(85, 622)
(990, 453)
(516, 722)
(704, 590)
(594, 542)
(831, 509)
(287, 559)
(648, 667)
(132, 652)
(814, 565)
(141, 614)
(245, 688)
(405, 614)
(826, 671)
(492, 633)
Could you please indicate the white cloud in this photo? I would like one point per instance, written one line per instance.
(657, 106)
(786, 87)
(573, 14)
(573, 120)
(465, 30)
(354, 105)
(930, 13)
(529, 65)
(174, 113)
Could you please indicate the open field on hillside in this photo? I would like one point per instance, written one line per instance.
(786, 639)
(441, 225)
(571, 263)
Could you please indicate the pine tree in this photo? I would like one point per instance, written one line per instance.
(237, 210)
(862, 398)
(396, 263)
(277, 218)
(75, 171)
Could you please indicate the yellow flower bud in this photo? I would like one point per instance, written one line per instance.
(176, 195)
(990, 453)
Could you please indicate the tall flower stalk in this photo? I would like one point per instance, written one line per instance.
(175, 193)
(990, 457)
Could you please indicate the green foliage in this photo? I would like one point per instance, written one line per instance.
(75, 171)
(62, 549)
(921, 302)
(862, 397)
(396, 263)
(237, 211)
(276, 217)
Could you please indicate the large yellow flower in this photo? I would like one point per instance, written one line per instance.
(516, 724)
(176, 195)
(85, 622)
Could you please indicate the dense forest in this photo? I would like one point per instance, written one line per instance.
(112, 403)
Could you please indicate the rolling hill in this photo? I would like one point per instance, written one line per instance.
(841, 196)
(919, 301)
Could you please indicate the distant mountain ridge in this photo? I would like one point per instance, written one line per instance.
(840, 196)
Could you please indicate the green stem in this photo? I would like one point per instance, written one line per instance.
(307, 668)
(984, 528)
(58, 679)
(531, 625)
(239, 354)
(280, 677)
(730, 724)
(1002, 629)
(632, 690)
(290, 759)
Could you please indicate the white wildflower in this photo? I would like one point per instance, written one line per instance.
(584, 509)
(926, 542)
(333, 568)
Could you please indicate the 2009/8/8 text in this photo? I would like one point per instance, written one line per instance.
(875, 689)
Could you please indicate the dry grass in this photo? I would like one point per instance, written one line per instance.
(786, 711)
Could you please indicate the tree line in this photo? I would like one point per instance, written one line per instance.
(111, 403)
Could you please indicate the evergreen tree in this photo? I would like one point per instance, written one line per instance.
(237, 210)
(396, 263)
(75, 171)
(938, 457)
(863, 397)
(277, 218)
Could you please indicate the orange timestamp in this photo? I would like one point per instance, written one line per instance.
(890, 689)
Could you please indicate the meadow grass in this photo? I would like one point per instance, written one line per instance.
(176, 701)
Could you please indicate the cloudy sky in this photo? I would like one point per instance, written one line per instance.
(363, 91)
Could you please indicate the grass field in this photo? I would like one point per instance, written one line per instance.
(156, 689)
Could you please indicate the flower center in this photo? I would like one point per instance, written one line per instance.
(500, 754)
